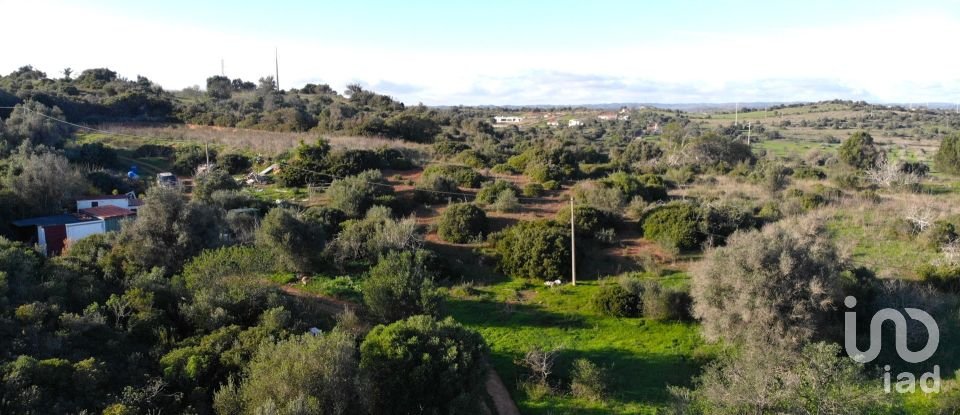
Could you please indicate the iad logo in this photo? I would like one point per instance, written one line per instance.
(906, 381)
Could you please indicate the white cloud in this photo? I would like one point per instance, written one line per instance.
(906, 58)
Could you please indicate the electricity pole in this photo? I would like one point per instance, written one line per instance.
(573, 247)
(276, 62)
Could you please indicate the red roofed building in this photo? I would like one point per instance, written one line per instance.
(110, 214)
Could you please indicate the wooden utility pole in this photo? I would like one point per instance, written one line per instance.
(573, 247)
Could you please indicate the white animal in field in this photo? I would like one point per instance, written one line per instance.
(553, 283)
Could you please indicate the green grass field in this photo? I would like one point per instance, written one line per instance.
(642, 356)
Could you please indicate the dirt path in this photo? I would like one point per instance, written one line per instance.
(501, 397)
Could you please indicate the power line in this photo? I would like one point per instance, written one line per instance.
(78, 125)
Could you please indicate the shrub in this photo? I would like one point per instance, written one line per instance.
(675, 225)
(189, 157)
(661, 303)
(948, 155)
(649, 187)
(614, 300)
(811, 173)
(235, 163)
(302, 374)
(391, 158)
(400, 286)
(463, 175)
(587, 220)
(776, 286)
(355, 194)
(506, 201)
(436, 188)
(461, 223)
(598, 196)
(154, 150)
(588, 381)
(420, 365)
(534, 250)
(295, 242)
(533, 190)
(944, 277)
(212, 180)
(327, 218)
(489, 191)
(859, 151)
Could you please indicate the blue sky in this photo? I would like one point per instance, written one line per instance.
(519, 52)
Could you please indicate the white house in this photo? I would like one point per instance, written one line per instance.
(553, 122)
(502, 119)
(126, 201)
(607, 116)
(574, 123)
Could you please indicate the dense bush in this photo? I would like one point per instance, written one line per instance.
(235, 163)
(649, 187)
(615, 300)
(462, 223)
(463, 175)
(675, 225)
(154, 150)
(588, 221)
(93, 154)
(944, 277)
(534, 250)
(168, 229)
(489, 191)
(295, 242)
(366, 239)
(328, 218)
(302, 374)
(948, 155)
(401, 285)
(436, 188)
(189, 157)
(776, 286)
(443, 367)
(355, 194)
(668, 304)
(212, 180)
(859, 151)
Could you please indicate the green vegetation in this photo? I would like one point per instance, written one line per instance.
(325, 284)
(461, 223)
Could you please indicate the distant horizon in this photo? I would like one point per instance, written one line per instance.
(507, 53)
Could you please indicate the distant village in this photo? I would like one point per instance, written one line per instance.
(570, 120)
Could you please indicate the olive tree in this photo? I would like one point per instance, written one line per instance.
(297, 243)
(169, 230)
(775, 286)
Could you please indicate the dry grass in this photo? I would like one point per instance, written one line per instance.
(257, 141)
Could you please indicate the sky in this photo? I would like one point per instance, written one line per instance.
(494, 52)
